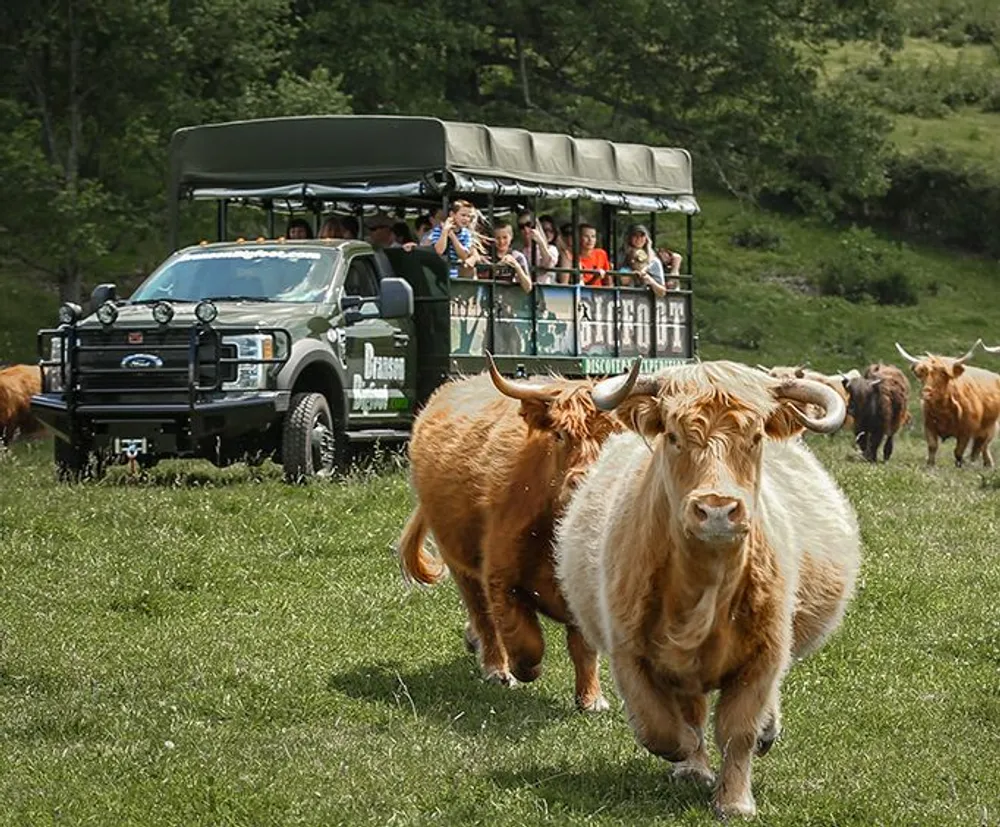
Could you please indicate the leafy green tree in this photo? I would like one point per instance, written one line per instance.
(89, 94)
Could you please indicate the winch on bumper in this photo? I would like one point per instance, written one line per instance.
(159, 391)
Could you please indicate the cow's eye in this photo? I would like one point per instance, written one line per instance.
(757, 437)
(671, 437)
(559, 435)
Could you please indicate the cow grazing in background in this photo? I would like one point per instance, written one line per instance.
(957, 400)
(17, 385)
(491, 472)
(705, 551)
(878, 404)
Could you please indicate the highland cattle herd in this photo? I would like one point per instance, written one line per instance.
(676, 524)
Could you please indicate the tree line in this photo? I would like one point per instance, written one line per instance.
(90, 91)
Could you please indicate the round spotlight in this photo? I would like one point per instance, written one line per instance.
(162, 313)
(107, 313)
(205, 311)
(70, 313)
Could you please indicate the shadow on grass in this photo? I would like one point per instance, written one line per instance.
(454, 696)
(634, 791)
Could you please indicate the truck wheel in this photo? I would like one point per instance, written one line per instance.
(76, 462)
(313, 444)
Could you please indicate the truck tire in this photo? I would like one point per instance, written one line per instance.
(313, 443)
(76, 462)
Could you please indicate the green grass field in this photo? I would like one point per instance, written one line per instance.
(214, 647)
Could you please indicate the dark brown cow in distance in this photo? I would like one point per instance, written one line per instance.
(957, 400)
(17, 385)
(491, 473)
(877, 402)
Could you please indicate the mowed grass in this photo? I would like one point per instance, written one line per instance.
(215, 647)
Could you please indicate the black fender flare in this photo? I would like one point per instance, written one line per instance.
(305, 354)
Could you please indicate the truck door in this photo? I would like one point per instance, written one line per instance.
(377, 364)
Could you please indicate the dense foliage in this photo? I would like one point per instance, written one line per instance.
(90, 92)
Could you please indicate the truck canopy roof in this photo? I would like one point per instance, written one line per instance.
(377, 159)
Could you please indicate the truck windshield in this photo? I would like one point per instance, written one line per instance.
(275, 274)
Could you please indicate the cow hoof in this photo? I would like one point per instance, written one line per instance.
(766, 739)
(526, 672)
(696, 773)
(597, 705)
(501, 677)
(744, 807)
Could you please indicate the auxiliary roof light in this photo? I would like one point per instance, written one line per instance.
(163, 312)
(70, 313)
(107, 313)
(206, 311)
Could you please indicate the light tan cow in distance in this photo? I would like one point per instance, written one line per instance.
(493, 462)
(957, 400)
(801, 372)
(17, 385)
(704, 550)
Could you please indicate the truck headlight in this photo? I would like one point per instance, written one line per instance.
(253, 346)
(54, 374)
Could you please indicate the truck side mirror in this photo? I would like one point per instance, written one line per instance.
(396, 299)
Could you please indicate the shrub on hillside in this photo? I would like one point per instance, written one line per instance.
(862, 271)
(756, 237)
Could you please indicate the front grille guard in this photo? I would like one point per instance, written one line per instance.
(71, 372)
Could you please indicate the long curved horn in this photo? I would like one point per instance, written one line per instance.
(963, 359)
(516, 390)
(808, 390)
(610, 393)
(906, 355)
(994, 349)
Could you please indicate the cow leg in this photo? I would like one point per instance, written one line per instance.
(654, 712)
(512, 609)
(932, 446)
(696, 768)
(981, 445)
(771, 729)
(745, 706)
(585, 663)
(492, 656)
(887, 448)
(961, 443)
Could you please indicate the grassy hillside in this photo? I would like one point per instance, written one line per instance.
(762, 305)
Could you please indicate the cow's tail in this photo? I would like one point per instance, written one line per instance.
(414, 560)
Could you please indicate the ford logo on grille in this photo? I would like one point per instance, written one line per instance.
(141, 361)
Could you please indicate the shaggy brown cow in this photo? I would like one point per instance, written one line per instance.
(878, 403)
(17, 385)
(959, 401)
(491, 473)
(704, 552)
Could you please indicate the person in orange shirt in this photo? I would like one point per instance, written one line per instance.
(594, 258)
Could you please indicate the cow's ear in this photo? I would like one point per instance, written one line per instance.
(782, 424)
(536, 413)
(641, 413)
(957, 370)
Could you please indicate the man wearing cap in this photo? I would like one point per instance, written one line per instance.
(380, 233)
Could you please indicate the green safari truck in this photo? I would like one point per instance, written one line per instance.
(256, 346)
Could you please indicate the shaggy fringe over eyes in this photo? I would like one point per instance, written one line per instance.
(726, 383)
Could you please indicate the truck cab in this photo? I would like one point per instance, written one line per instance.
(227, 351)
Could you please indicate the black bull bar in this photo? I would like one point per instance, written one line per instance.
(180, 367)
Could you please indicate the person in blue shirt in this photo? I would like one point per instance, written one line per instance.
(452, 239)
